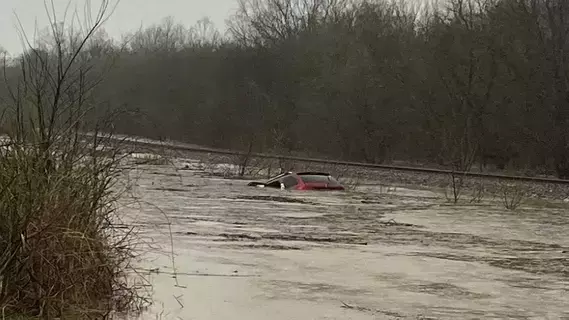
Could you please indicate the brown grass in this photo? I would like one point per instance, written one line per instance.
(60, 254)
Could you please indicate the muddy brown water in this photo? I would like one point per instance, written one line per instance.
(377, 253)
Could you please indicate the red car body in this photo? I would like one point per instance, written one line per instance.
(302, 181)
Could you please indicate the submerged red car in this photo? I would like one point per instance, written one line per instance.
(301, 181)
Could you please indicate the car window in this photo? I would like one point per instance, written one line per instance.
(289, 181)
(313, 178)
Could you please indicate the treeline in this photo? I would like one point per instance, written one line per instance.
(461, 83)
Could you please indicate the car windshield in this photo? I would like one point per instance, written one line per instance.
(313, 178)
(276, 178)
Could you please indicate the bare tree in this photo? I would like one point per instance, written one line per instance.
(60, 255)
(270, 21)
(167, 36)
(455, 84)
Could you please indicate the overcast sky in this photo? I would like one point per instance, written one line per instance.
(128, 16)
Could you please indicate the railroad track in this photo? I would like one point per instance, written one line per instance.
(176, 146)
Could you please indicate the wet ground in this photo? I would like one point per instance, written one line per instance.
(217, 249)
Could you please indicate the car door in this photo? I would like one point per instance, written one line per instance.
(289, 182)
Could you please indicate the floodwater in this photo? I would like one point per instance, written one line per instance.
(217, 249)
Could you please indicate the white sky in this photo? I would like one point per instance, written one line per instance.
(128, 16)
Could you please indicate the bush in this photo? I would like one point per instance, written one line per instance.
(60, 254)
(513, 195)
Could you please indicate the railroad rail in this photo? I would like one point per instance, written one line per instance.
(177, 146)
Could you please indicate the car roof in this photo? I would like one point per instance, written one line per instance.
(290, 173)
(312, 173)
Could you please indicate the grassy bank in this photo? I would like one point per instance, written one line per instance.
(61, 255)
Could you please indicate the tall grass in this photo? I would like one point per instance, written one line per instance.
(61, 254)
